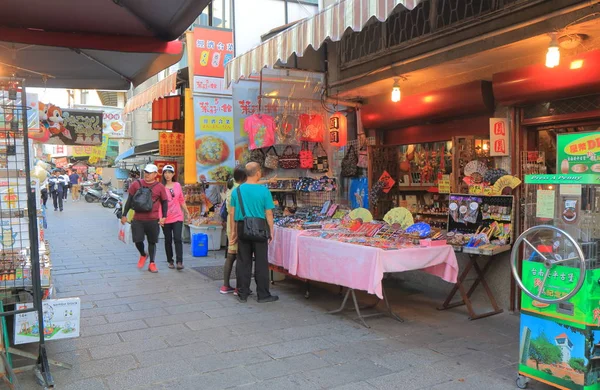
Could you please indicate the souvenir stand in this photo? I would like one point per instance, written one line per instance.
(24, 257)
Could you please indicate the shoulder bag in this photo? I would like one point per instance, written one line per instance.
(255, 229)
(271, 158)
(289, 159)
(350, 163)
(320, 159)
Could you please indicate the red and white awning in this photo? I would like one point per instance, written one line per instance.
(163, 88)
(331, 23)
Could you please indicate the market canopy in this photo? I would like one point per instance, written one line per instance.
(331, 23)
(92, 44)
(139, 150)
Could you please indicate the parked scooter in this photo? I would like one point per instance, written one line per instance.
(111, 199)
(94, 192)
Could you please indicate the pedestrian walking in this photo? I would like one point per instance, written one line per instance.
(146, 197)
(57, 185)
(75, 181)
(239, 177)
(67, 180)
(44, 192)
(173, 226)
(253, 202)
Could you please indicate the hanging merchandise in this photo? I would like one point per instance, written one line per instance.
(338, 129)
(287, 129)
(261, 131)
(257, 155)
(363, 157)
(289, 159)
(306, 157)
(311, 127)
(320, 159)
(358, 192)
(271, 159)
(349, 163)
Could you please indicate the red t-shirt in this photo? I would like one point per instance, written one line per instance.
(159, 194)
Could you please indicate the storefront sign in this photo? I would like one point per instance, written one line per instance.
(578, 153)
(70, 126)
(212, 50)
(499, 145)
(99, 152)
(170, 144)
(113, 122)
(214, 138)
(211, 85)
(61, 321)
(81, 151)
(562, 179)
(60, 162)
(545, 204)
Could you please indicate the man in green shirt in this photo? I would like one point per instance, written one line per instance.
(258, 203)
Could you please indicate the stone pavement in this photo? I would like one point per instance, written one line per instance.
(173, 330)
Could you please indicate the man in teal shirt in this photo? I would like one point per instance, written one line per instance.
(258, 203)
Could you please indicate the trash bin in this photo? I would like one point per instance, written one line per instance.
(199, 245)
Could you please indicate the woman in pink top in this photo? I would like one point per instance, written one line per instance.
(174, 223)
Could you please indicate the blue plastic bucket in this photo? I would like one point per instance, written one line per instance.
(200, 245)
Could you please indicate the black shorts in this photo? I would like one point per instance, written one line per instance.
(142, 229)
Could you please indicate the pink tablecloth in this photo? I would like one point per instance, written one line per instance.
(362, 268)
(283, 250)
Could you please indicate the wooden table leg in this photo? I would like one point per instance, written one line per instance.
(456, 288)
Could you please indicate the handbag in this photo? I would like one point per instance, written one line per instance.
(258, 156)
(289, 159)
(271, 159)
(286, 129)
(363, 158)
(254, 229)
(306, 157)
(320, 159)
(350, 163)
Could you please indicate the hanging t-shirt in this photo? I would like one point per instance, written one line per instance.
(261, 131)
(312, 127)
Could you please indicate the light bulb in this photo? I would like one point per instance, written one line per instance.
(396, 94)
(553, 54)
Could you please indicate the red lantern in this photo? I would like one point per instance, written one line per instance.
(338, 129)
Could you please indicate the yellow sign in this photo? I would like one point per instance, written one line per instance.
(99, 152)
(216, 123)
(444, 184)
(476, 189)
(82, 150)
(93, 160)
(584, 145)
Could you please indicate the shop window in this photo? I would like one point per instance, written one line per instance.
(563, 107)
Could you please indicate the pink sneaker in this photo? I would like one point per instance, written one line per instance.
(227, 290)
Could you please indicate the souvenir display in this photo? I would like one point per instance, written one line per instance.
(261, 131)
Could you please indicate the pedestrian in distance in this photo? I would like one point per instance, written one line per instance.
(146, 197)
(67, 180)
(252, 200)
(75, 182)
(173, 226)
(239, 177)
(57, 186)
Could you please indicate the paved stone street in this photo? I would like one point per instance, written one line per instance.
(173, 330)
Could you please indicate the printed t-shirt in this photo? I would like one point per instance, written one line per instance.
(261, 131)
(257, 198)
(158, 195)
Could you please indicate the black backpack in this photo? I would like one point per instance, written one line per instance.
(142, 199)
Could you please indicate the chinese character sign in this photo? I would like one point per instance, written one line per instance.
(214, 138)
(99, 152)
(171, 144)
(113, 121)
(578, 153)
(212, 50)
(161, 164)
(499, 145)
(70, 126)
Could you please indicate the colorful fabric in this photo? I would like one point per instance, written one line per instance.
(312, 127)
(261, 131)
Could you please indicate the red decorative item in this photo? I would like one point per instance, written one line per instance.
(338, 129)
(306, 157)
(312, 128)
(387, 181)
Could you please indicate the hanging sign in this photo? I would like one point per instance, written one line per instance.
(171, 144)
(113, 122)
(562, 179)
(387, 181)
(99, 152)
(338, 129)
(61, 321)
(578, 153)
(499, 137)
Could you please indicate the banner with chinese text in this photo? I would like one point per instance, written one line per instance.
(70, 126)
(578, 153)
(99, 152)
(499, 145)
(214, 138)
(212, 50)
(171, 144)
(113, 122)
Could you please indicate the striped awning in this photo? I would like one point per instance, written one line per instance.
(163, 88)
(331, 23)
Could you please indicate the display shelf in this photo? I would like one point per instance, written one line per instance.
(487, 251)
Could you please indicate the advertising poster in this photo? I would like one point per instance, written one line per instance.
(61, 321)
(213, 49)
(113, 122)
(171, 144)
(214, 138)
(81, 151)
(99, 152)
(70, 127)
(578, 153)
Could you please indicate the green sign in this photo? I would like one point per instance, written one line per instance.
(562, 179)
(578, 153)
